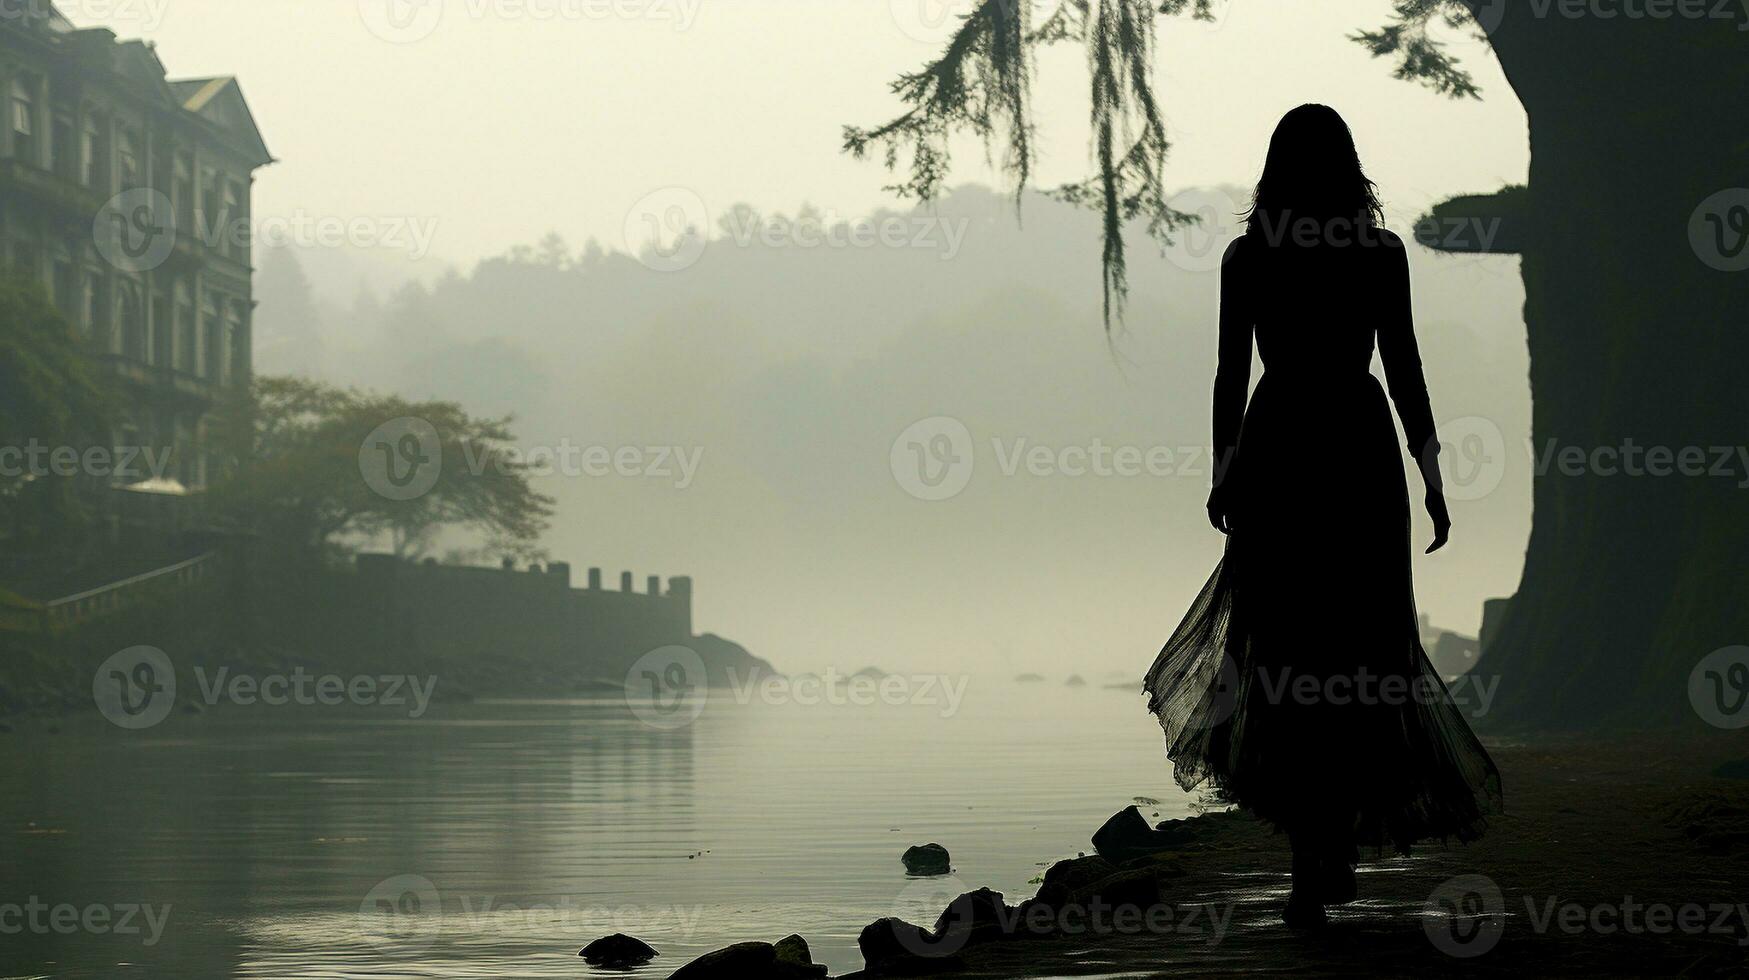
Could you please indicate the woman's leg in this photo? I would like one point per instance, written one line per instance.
(1305, 903)
(1338, 859)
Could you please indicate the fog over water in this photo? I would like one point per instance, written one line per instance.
(774, 373)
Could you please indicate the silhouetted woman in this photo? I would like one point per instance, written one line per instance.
(1296, 685)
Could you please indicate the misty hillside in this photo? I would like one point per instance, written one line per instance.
(789, 372)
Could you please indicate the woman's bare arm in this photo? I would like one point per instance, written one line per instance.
(1408, 384)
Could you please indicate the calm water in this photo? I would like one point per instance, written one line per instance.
(500, 837)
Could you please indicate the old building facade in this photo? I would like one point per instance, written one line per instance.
(127, 194)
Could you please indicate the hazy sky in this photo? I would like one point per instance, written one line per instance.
(494, 121)
(488, 123)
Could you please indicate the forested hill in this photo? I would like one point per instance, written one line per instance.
(791, 362)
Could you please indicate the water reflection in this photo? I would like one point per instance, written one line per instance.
(511, 833)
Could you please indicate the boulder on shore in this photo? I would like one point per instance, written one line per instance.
(786, 960)
(977, 917)
(793, 949)
(894, 947)
(1095, 881)
(926, 859)
(618, 950)
(1127, 836)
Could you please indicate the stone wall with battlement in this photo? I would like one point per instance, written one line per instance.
(459, 610)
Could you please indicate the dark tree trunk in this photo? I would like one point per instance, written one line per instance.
(1628, 580)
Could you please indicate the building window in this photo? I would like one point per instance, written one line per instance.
(182, 189)
(211, 355)
(127, 158)
(97, 310)
(233, 214)
(209, 217)
(62, 157)
(24, 141)
(185, 339)
(94, 154)
(133, 326)
(162, 332)
(66, 289)
(235, 345)
(24, 259)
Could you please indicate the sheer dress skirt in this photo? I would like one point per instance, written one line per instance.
(1296, 686)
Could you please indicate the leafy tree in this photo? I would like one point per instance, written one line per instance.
(48, 399)
(299, 480)
(1634, 314)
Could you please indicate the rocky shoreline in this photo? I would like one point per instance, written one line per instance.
(1623, 858)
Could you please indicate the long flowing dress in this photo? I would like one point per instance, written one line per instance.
(1296, 687)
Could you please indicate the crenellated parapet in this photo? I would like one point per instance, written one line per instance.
(475, 610)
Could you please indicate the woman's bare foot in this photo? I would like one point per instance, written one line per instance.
(1305, 907)
(1303, 913)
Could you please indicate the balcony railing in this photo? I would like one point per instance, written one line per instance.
(105, 599)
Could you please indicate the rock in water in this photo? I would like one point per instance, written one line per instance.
(788, 960)
(926, 859)
(618, 950)
(1075, 680)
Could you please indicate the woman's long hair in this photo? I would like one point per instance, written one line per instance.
(1312, 171)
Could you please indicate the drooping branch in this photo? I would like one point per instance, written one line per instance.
(981, 84)
(1421, 57)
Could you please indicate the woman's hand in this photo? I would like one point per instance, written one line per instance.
(1441, 520)
(1221, 510)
